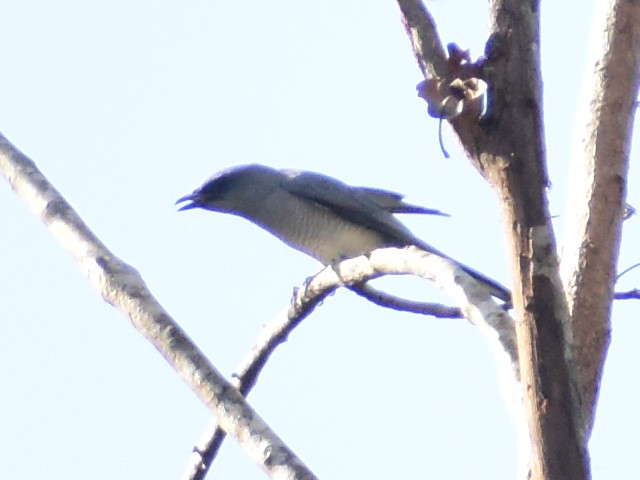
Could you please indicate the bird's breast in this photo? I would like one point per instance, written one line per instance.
(319, 231)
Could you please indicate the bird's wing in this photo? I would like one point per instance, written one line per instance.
(393, 202)
(351, 203)
(356, 205)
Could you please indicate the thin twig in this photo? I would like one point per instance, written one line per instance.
(630, 295)
(387, 300)
(627, 270)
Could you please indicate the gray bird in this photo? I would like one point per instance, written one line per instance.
(316, 214)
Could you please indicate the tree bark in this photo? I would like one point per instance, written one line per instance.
(507, 147)
(598, 190)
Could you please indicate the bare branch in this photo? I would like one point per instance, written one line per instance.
(304, 301)
(627, 270)
(598, 188)
(630, 295)
(474, 300)
(513, 157)
(122, 286)
(387, 300)
(507, 148)
(425, 41)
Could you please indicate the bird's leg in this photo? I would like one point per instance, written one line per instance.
(337, 262)
(308, 283)
(334, 265)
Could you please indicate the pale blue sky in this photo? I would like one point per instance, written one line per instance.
(126, 106)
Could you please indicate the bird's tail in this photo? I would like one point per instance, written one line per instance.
(495, 288)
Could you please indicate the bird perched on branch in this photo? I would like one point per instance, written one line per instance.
(318, 215)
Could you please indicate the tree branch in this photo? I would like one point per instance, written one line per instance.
(122, 286)
(598, 188)
(630, 295)
(276, 332)
(474, 300)
(425, 41)
(387, 300)
(513, 156)
(507, 148)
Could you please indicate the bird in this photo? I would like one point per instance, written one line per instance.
(317, 214)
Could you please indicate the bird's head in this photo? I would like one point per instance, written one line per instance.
(233, 190)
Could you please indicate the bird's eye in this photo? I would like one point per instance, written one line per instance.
(216, 188)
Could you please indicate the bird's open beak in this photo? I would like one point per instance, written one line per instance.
(188, 198)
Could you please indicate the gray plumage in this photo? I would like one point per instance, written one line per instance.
(316, 214)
